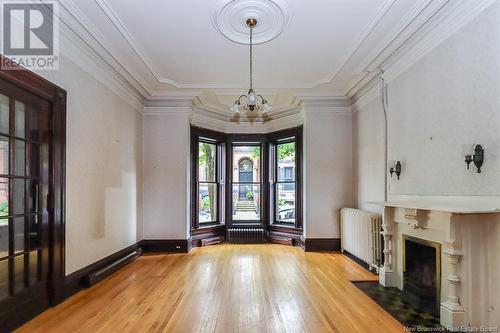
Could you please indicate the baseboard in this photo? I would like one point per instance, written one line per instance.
(356, 260)
(208, 235)
(290, 237)
(78, 280)
(321, 244)
(166, 245)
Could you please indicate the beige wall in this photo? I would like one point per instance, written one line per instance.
(449, 98)
(328, 171)
(166, 176)
(103, 161)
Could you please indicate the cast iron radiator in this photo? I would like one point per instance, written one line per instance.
(246, 235)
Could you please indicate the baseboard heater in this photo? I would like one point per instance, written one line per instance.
(246, 235)
(102, 273)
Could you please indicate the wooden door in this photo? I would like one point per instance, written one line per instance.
(24, 193)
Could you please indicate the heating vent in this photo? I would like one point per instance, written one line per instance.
(246, 235)
(360, 233)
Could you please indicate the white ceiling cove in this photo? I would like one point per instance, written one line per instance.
(327, 47)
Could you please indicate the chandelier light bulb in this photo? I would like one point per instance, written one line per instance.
(266, 107)
(252, 97)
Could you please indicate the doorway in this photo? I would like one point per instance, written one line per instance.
(32, 136)
(245, 176)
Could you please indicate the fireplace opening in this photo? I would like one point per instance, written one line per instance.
(422, 274)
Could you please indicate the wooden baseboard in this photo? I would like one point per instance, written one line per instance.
(78, 280)
(356, 260)
(208, 235)
(166, 245)
(321, 244)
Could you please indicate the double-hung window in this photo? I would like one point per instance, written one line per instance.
(208, 181)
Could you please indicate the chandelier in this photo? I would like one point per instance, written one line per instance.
(251, 98)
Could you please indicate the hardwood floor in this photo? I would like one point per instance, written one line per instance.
(225, 288)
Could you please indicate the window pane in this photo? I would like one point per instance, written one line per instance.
(18, 234)
(206, 162)
(34, 259)
(19, 119)
(4, 279)
(18, 273)
(33, 196)
(20, 147)
(35, 158)
(4, 199)
(35, 241)
(207, 203)
(246, 202)
(286, 161)
(285, 204)
(4, 114)
(4, 155)
(4, 238)
(34, 132)
(18, 198)
(246, 164)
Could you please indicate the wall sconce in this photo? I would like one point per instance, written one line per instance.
(474, 153)
(395, 167)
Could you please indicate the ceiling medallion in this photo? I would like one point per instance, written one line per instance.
(230, 17)
(251, 97)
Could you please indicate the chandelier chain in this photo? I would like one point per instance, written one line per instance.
(251, 58)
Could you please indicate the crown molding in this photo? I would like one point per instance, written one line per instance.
(85, 56)
(166, 110)
(427, 26)
(454, 15)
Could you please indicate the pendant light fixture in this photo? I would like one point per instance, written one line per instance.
(251, 98)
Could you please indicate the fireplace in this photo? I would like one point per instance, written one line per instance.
(422, 274)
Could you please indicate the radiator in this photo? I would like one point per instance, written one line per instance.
(246, 235)
(360, 233)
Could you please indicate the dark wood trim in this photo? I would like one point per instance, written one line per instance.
(166, 245)
(321, 244)
(356, 260)
(283, 236)
(274, 139)
(78, 280)
(102, 273)
(208, 235)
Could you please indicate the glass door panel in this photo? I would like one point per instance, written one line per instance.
(24, 179)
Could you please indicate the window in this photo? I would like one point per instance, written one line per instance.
(285, 185)
(208, 180)
(246, 182)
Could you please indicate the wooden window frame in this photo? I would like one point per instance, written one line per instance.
(202, 135)
(275, 139)
(218, 229)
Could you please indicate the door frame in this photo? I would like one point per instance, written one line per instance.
(56, 202)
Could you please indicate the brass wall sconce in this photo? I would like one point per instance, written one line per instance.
(395, 167)
(474, 153)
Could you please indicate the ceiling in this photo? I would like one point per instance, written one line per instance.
(326, 46)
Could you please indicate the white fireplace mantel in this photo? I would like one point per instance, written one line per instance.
(470, 236)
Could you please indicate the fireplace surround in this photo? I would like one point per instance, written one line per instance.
(468, 231)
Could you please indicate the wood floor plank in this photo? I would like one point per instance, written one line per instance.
(225, 288)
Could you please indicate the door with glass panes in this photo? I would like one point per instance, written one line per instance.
(24, 188)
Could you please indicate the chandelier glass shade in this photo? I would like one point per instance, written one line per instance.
(251, 99)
